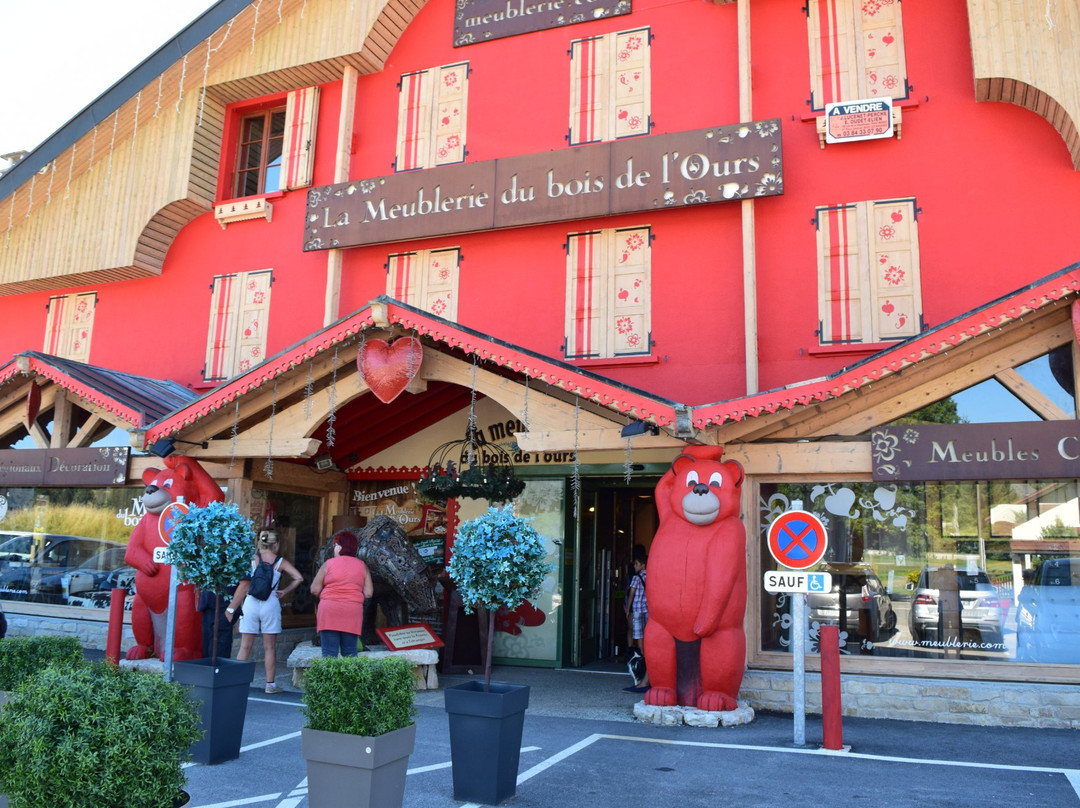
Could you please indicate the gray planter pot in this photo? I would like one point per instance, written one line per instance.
(485, 739)
(221, 692)
(370, 770)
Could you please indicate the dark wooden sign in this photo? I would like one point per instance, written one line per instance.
(482, 20)
(1039, 450)
(658, 172)
(64, 467)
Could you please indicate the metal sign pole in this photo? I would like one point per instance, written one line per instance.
(170, 623)
(798, 666)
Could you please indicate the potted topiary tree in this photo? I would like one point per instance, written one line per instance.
(497, 561)
(212, 547)
(84, 736)
(360, 730)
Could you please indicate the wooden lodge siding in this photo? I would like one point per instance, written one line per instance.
(47, 223)
(1026, 53)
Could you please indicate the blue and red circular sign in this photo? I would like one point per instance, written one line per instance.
(169, 518)
(797, 540)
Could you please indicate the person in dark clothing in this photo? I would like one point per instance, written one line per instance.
(207, 601)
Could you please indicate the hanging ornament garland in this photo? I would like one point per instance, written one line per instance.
(268, 467)
(627, 468)
(309, 388)
(235, 434)
(331, 433)
(576, 483)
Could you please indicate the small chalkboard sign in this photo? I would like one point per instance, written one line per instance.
(412, 636)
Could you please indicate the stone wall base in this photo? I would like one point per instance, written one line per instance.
(944, 701)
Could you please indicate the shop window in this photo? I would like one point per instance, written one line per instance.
(274, 144)
(610, 94)
(70, 325)
(432, 109)
(239, 309)
(856, 51)
(978, 572)
(868, 272)
(426, 279)
(608, 295)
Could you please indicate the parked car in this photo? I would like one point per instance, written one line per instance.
(15, 548)
(868, 609)
(972, 610)
(1048, 614)
(89, 577)
(60, 554)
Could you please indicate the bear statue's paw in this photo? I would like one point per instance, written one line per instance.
(139, 652)
(660, 696)
(716, 702)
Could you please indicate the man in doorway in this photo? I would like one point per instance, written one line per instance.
(637, 615)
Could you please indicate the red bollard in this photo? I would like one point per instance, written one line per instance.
(116, 625)
(831, 712)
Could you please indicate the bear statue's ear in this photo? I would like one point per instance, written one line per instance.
(149, 474)
(741, 474)
(680, 460)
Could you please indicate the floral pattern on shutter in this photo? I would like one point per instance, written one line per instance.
(584, 287)
(440, 289)
(414, 117)
(588, 89)
(451, 94)
(840, 274)
(254, 311)
(894, 261)
(629, 292)
(631, 84)
(298, 150)
(881, 38)
(69, 326)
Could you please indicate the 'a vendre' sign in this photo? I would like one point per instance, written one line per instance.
(1038, 450)
(658, 172)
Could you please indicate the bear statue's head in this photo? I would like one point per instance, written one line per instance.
(181, 479)
(702, 488)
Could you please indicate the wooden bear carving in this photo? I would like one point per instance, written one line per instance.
(695, 646)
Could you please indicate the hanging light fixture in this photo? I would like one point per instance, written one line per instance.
(473, 468)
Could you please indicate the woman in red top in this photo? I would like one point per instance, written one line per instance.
(341, 584)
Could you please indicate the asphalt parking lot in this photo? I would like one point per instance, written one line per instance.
(582, 747)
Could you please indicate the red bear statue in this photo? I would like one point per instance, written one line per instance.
(185, 478)
(695, 646)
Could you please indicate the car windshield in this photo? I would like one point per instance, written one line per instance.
(110, 559)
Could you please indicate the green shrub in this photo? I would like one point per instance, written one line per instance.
(95, 735)
(22, 657)
(359, 695)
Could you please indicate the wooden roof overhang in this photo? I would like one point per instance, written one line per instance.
(284, 407)
(988, 342)
(66, 404)
(175, 100)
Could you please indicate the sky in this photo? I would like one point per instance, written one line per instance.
(57, 56)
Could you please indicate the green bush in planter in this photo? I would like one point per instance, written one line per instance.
(95, 735)
(359, 695)
(22, 657)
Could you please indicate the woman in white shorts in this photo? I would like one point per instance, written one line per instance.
(264, 616)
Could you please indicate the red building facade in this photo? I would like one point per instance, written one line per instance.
(590, 216)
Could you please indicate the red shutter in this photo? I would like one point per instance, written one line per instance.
(588, 91)
(54, 326)
(894, 262)
(629, 292)
(584, 296)
(832, 52)
(841, 274)
(220, 342)
(414, 120)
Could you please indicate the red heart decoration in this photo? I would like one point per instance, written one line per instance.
(387, 369)
(887, 39)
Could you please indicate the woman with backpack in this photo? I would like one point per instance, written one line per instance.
(258, 599)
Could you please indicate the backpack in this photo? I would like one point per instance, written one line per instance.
(262, 580)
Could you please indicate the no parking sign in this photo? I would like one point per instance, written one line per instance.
(797, 540)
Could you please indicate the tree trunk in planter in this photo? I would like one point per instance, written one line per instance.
(221, 691)
(370, 770)
(485, 739)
